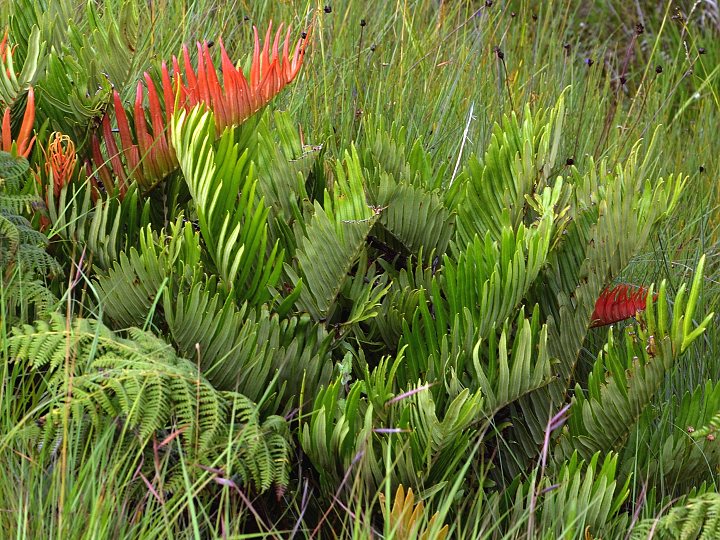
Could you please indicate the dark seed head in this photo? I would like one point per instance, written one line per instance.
(566, 46)
(372, 47)
(701, 50)
(623, 79)
(570, 161)
(499, 53)
(363, 22)
(658, 69)
(534, 17)
(328, 9)
(513, 14)
(303, 35)
(639, 29)
(488, 3)
(210, 43)
(701, 169)
(246, 18)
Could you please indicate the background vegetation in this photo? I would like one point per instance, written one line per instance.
(366, 308)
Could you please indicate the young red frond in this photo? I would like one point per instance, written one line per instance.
(192, 83)
(24, 141)
(114, 154)
(100, 166)
(168, 94)
(148, 155)
(3, 46)
(618, 303)
(144, 139)
(129, 148)
(6, 135)
(162, 152)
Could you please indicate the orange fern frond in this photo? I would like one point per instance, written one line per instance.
(3, 46)
(237, 98)
(145, 153)
(22, 145)
(618, 303)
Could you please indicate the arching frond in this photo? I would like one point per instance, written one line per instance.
(139, 381)
(233, 222)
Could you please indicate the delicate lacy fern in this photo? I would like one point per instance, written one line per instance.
(23, 259)
(696, 519)
(140, 382)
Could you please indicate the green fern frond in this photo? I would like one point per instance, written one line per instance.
(233, 222)
(244, 350)
(15, 83)
(626, 376)
(416, 218)
(580, 498)
(675, 447)
(140, 383)
(517, 163)
(135, 282)
(334, 240)
(104, 227)
(696, 519)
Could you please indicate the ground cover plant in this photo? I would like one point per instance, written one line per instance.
(362, 269)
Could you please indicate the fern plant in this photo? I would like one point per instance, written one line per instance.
(24, 261)
(139, 384)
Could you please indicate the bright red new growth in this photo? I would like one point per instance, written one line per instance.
(24, 142)
(148, 156)
(618, 303)
(3, 46)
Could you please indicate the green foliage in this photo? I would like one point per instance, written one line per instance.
(23, 258)
(232, 221)
(402, 260)
(518, 162)
(141, 384)
(104, 227)
(579, 497)
(370, 434)
(334, 240)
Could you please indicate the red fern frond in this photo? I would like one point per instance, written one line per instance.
(3, 46)
(24, 142)
(145, 153)
(618, 303)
